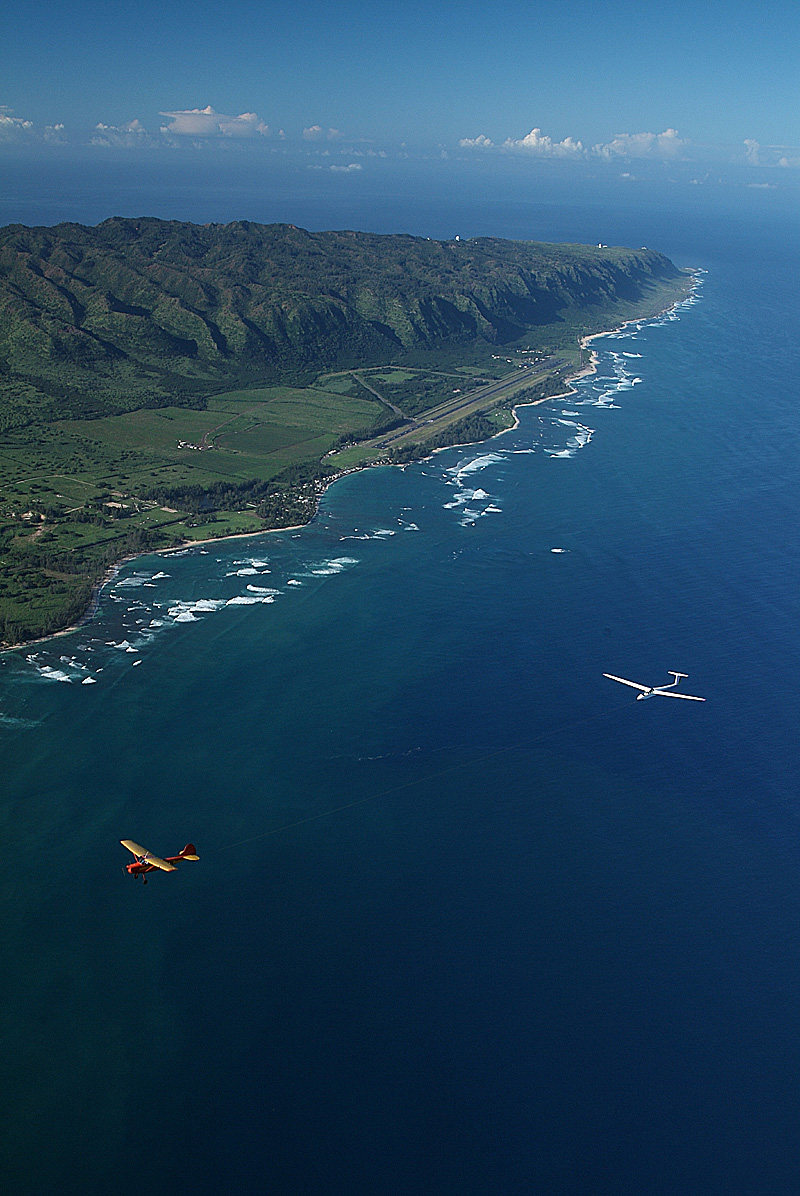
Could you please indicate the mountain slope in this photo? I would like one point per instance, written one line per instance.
(143, 312)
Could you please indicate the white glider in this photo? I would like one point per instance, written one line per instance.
(661, 691)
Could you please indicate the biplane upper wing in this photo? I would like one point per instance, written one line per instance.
(147, 856)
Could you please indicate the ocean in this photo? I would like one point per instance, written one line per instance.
(468, 918)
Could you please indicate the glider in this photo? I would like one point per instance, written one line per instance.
(661, 691)
(145, 861)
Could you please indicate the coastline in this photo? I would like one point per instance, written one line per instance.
(112, 571)
(591, 366)
(585, 372)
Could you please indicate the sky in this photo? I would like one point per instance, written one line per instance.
(612, 85)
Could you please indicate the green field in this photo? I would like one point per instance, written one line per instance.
(391, 377)
(135, 357)
(78, 494)
(243, 434)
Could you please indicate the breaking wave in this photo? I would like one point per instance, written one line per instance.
(140, 606)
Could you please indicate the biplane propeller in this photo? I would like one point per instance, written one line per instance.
(145, 861)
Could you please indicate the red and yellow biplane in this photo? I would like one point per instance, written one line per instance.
(146, 862)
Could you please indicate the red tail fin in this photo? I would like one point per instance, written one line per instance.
(189, 853)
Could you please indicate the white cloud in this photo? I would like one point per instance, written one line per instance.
(642, 145)
(538, 143)
(535, 142)
(751, 149)
(787, 161)
(130, 135)
(248, 124)
(17, 129)
(205, 122)
(13, 127)
(132, 127)
(479, 142)
(666, 145)
(347, 169)
(317, 133)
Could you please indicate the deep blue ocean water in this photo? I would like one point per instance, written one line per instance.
(551, 942)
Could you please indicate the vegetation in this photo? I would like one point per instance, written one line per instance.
(159, 382)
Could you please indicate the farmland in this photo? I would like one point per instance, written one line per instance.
(164, 382)
(78, 495)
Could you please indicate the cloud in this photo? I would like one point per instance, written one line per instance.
(769, 156)
(751, 149)
(14, 128)
(666, 145)
(479, 142)
(642, 145)
(317, 133)
(537, 143)
(131, 135)
(346, 169)
(205, 122)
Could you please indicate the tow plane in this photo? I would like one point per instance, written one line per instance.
(653, 691)
(145, 861)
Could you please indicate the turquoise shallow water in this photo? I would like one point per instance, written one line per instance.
(551, 942)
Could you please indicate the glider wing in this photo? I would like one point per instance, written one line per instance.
(633, 684)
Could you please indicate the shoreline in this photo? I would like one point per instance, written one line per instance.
(584, 372)
(112, 571)
(591, 366)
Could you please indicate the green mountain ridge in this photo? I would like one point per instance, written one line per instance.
(151, 312)
(163, 382)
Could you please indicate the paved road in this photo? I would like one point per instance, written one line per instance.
(483, 395)
(378, 395)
